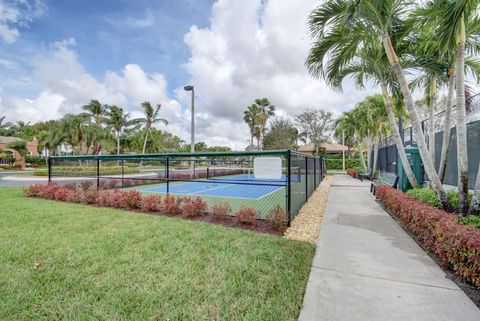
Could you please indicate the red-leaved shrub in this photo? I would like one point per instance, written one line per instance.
(194, 207)
(246, 216)
(151, 203)
(352, 172)
(456, 245)
(172, 205)
(278, 217)
(221, 210)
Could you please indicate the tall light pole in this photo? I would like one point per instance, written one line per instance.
(343, 150)
(192, 129)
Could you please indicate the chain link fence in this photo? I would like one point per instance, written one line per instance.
(267, 181)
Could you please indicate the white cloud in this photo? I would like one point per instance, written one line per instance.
(254, 49)
(68, 86)
(251, 49)
(18, 14)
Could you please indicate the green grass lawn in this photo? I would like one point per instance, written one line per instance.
(62, 261)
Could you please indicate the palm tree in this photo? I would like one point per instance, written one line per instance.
(251, 117)
(266, 110)
(456, 17)
(383, 19)
(346, 125)
(117, 121)
(365, 63)
(151, 117)
(95, 111)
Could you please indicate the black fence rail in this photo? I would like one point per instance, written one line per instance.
(268, 181)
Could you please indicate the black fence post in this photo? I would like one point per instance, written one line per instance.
(306, 178)
(123, 173)
(49, 162)
(98, 173)
(168, 175)
(289, 186)
(315, 172)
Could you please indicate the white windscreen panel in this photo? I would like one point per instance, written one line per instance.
(267, 167)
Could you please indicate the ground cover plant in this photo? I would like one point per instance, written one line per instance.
(456, 245)
(428, 196)
(75, 262)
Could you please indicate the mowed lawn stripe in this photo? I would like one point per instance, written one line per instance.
(76, 262)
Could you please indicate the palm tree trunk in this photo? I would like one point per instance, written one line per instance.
(398, 139)
(362, 159)
(369, 152)
(462, 156)
(417, 128)
(147, 131)
(375, 154)
(447, 127)
(431, 118)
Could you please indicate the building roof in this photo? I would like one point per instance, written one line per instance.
(329, 148)
(9, 139)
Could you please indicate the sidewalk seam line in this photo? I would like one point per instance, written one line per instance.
(385, 279)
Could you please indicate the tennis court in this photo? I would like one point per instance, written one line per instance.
(262, 180)
(216, 188)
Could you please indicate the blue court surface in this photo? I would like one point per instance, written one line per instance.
(220, 189)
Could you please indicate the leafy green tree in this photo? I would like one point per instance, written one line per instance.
(117, 121)
(265, 111)
(151, 118)
(281, 135)
(251, 116)
(385, 20)
(316, 124)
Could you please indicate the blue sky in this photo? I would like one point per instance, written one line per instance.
(112, 33)
(57, 55)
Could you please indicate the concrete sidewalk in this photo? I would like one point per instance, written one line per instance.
(367, 268)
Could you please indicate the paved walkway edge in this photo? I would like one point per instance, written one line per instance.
(367, 268)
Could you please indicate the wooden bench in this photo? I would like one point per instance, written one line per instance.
(384, 178)
(367, 175)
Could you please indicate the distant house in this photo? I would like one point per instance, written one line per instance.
(32, 148)
(327, 148)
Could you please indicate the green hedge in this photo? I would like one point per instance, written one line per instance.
(336, 163)
(428, 196)
(87, 171)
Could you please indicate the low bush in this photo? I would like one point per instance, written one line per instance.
(194, 207)
(456, 245)
(246, 216)
(337, 163)
(151, 203)
(352, 172)
(221, 210)
(472, 220)
(172, 205)
(278, 217)
(428, 196)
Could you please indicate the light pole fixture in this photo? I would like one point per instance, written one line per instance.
(192, 129)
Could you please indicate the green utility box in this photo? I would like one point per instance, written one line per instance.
(415, 161)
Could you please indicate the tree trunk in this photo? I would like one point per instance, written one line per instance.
(375, 154)
(431, 118)
(369, 152)
(398, 139)
(145, 141)
(417, 128)
(462, 156)
(447, 127)
(362, 159)
(118, 142)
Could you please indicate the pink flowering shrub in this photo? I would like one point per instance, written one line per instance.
(151, 203)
